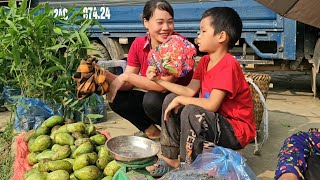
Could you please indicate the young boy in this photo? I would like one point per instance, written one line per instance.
(222, 113)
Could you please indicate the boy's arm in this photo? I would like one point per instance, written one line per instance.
(189, 91)
(211, 104)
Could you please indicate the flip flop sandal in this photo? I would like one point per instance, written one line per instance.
(161, 168)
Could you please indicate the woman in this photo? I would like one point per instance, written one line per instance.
(143, 107)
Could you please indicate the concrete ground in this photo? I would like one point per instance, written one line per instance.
(292, 108)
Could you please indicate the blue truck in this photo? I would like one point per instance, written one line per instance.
(268, 41)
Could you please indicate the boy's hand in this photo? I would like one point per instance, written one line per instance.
(152, 73)
(174, 105)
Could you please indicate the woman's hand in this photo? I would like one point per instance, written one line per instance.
(174, 105)
(116, 85)
(152, 73)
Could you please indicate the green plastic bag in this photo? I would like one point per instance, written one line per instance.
(137, 174)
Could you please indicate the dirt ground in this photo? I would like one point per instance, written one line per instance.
(292, 108)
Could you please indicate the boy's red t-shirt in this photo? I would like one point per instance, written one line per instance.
(138, 57)
(237, 106)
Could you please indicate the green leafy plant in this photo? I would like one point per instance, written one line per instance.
(38, 55)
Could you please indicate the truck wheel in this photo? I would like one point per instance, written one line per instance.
(114, 48)
(100, 52)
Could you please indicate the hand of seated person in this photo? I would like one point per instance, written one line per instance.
(152, 73)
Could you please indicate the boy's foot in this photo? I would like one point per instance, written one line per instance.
(159, 169)
(163, 166)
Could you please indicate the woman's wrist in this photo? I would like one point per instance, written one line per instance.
(124, 77)
(158, 80)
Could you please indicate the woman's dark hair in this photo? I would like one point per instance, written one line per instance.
(152, 5)
(225, 19)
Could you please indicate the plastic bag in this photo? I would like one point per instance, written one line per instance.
(95, 105)
(224, 163)
(9, 94)
(32, 112)
(189, 174)
(134, 174)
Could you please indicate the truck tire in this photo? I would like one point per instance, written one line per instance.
(99, 51)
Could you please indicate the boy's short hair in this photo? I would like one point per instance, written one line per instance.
(225, 19)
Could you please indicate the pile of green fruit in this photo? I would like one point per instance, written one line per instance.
(62, 150)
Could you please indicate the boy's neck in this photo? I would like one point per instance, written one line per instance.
(216, 56)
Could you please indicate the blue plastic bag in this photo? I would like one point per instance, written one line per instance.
(32, 112)
(95, 105)
(224, 163)
(9, 94)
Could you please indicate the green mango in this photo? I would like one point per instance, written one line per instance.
(41, 143)
(99, 139)
(37, 176)
(98, 148)
(59, 165)
(107, 178)
(73, 177)
(42, 131)
(90, 130)
(43, 165)
(63, 139)
(77, 135)
(29, 135)
(46, 154)
(29, 172)
(73, 148)
(103, 152)
(55, 147)
(85, 160)
(30, 142)
(63, 129)
(80, 141)
(62, 153)
(53, 134)
(86, 147)
(58, 175)
(70, 160)
(36, 166)
(55, 128)
(111, 168)
(81, 161)
(76, 127)
(52, 121)
(102, 163)
(87, 173)
(93, 157)
(32, 158)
